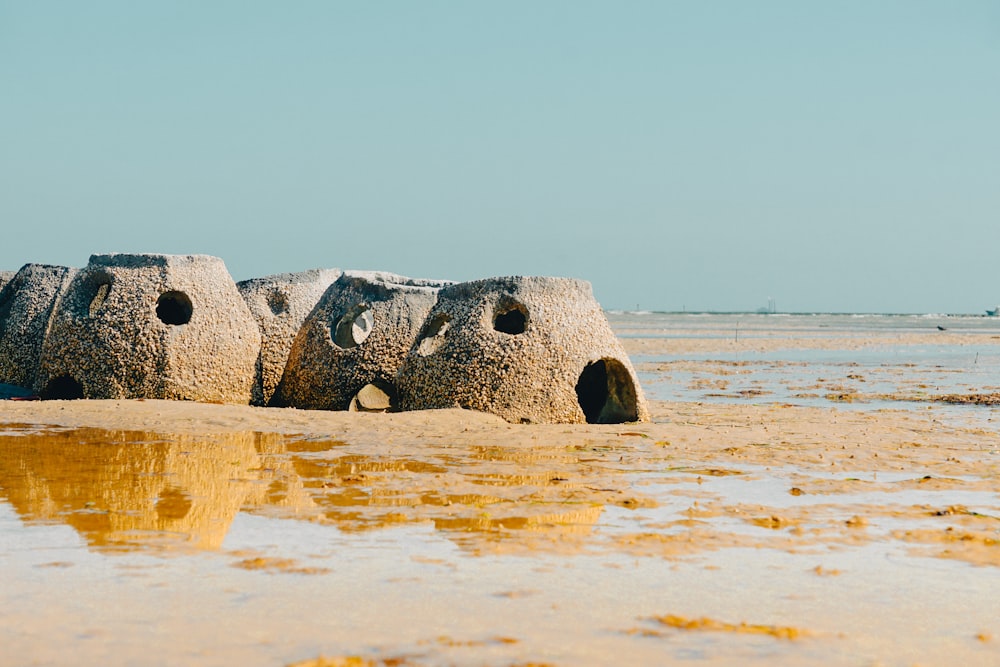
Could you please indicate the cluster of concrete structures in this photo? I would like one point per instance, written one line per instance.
(529, 349)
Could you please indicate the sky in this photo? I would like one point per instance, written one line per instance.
(703, 155)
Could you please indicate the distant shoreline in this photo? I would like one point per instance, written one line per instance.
(618, 311)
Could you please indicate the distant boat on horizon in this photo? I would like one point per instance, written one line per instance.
(994, 312)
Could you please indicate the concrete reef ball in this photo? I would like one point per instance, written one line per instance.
(26, 307)
(5, 277)
(280, 304)
(350, 347)
(529, 349)
(152, 326)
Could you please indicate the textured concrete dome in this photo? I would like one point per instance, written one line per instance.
(152, 326)
(5, 277)
(280, 304)
(529, 349)
(349, 349)
(26, 305)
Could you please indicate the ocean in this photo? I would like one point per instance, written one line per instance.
(851, 361)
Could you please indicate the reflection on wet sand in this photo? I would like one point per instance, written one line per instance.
(123, 489)
(459, 493)
(127, 490)
(132, 490)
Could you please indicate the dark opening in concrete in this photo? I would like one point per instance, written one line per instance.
(511, 319)
(354, 327)
(63, 388)
(99, 289)
(434, 334)
(7, 296)
(374, 397)
(174, 308)
(6, 304)
(277, 301)
(606, 394)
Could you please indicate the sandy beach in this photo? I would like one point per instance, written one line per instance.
(721, 533)
(589, 334)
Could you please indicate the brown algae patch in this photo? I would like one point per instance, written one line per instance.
(969, 399)
(694, 538)
(430, 652)
(977, 547)
(278, 565)
(355, 661)
(706, 624)
(773, 522)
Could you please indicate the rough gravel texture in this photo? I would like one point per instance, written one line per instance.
(550, 331)
(26, 306)
(358, 334)
(153, 326)
(280, 304)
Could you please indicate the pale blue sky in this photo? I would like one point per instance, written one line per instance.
(835, 156)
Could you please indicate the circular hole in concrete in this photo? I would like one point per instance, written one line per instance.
(354, 327)
(434, 334)
(511, 319)
(174, 308)
(606, 393)
(63, 388)
(277, 301)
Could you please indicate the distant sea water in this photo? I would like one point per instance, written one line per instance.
(681, 325)
(872, 377)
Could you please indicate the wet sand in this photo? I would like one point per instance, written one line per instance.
(150, 532)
